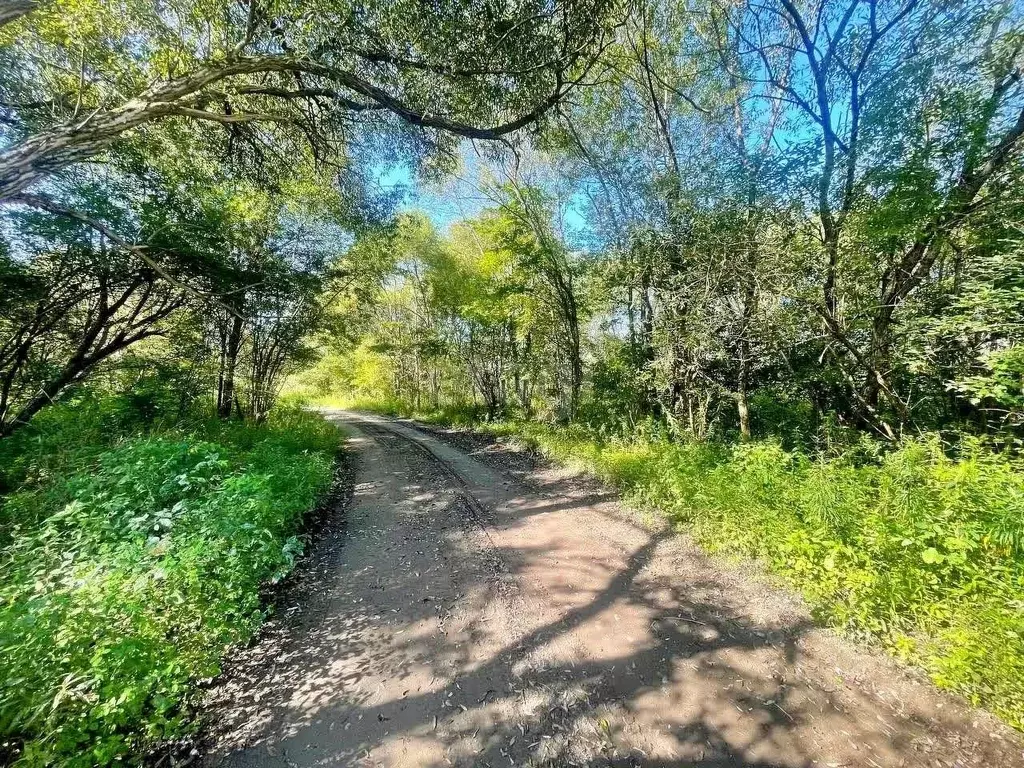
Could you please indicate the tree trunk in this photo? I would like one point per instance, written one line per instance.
(575, 363)
(229, 366)
(742, 403)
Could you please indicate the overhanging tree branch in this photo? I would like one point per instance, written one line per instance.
(43, 203)
(28, 162)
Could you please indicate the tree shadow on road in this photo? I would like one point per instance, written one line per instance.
(691, 681)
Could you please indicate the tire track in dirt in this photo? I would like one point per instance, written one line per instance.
(474, 620)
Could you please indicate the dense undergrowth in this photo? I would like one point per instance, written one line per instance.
(132, 556)
(919, 547)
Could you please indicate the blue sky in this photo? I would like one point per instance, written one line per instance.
(459, 197)
(455, 199)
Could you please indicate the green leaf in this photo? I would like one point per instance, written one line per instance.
(932, 556)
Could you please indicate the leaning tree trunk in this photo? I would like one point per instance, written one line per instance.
(31, 161)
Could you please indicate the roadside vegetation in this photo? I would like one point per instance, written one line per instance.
(131, 563)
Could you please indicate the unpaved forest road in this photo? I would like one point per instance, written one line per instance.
(466, 616)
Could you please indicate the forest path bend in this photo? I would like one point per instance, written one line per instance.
(463, 617)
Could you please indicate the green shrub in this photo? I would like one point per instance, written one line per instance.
(136, 572)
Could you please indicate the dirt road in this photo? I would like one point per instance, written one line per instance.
(458, 614)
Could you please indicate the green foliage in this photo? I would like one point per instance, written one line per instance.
(66, 437)
(485, 315)
(621, 391)
(135, 567)
(247, 62)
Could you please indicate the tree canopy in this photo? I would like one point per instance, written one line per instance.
(281, 77)
(224, 157)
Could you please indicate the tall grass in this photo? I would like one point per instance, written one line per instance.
(135, 561)
(916, 548)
